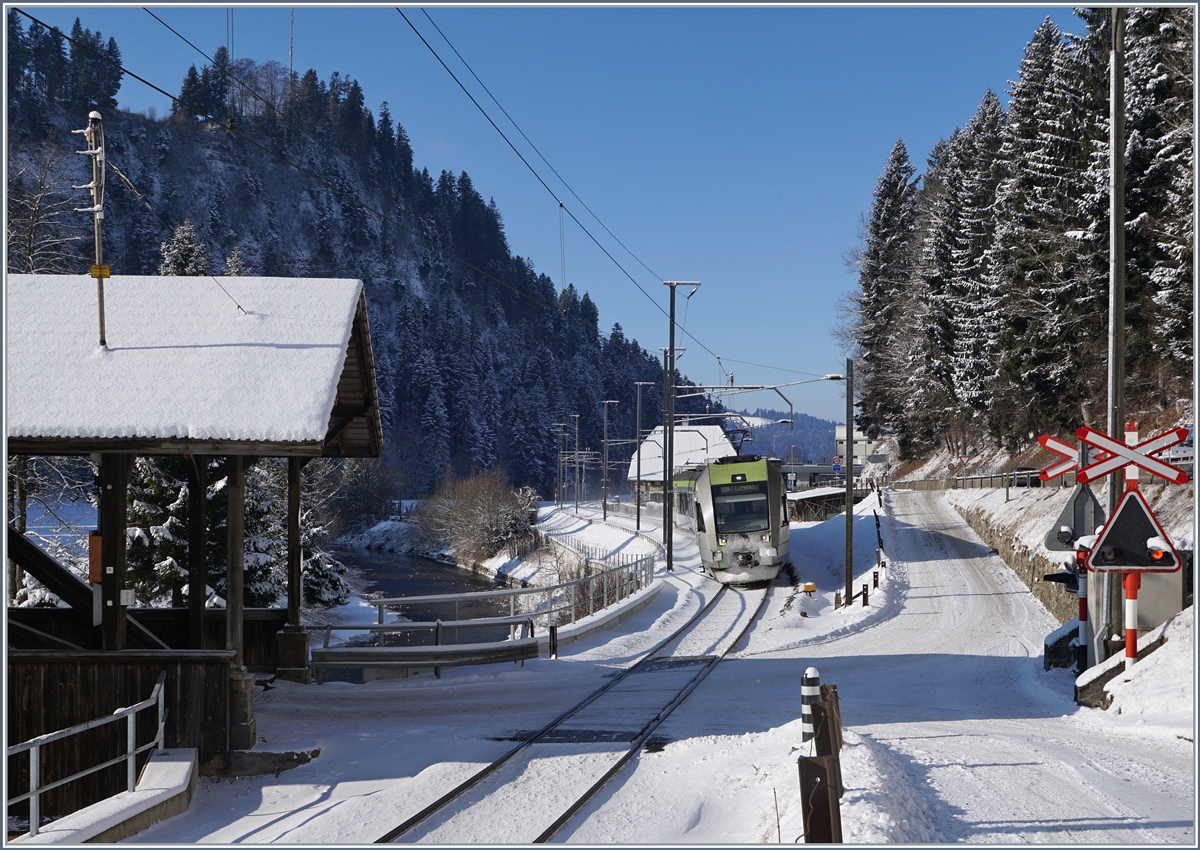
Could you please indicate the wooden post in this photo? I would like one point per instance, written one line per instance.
(293, 540)
(235, 486)
(114, 484)
(197, 467)
(818, 801)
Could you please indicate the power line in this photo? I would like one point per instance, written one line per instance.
(535, 148)
(533, 171)
(230, 128)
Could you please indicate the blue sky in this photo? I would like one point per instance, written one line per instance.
(738, 147)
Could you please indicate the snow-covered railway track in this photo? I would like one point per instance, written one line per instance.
(573, 757)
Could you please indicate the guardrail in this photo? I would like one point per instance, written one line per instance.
(34, 745)
(579, 596)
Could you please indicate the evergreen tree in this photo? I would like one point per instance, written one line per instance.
(157, 530)
(184, 254)
(235, 265)
(1045, 255)
(94, 76)
(885, 268)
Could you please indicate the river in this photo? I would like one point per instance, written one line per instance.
(388, 574)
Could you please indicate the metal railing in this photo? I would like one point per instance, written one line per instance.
(34, 745)
(580, 597)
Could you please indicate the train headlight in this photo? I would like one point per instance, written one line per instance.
(766, 536)
(720, 541)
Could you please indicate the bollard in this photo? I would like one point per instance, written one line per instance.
(876, 574)
(554, 641)
(810, 692)
(864, 594)
(837, 599)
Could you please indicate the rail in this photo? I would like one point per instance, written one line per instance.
(635, 745)
(34, 745)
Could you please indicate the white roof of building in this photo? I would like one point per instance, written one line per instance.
(182, 360)
(694, 445)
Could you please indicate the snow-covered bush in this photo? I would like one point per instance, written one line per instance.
(478, 517)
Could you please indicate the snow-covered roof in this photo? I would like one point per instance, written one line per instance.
(694, 444)
(184, 363)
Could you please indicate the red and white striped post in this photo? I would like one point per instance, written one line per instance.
(1085, 633)
(1132, 579)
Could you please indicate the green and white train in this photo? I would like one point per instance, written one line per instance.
(738, 509)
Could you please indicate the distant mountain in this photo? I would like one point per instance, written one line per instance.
(808, 440)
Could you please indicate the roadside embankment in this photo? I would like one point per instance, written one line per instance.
(1015, 530)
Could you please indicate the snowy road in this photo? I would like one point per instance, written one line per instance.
(971, 740)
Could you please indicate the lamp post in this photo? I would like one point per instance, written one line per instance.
(849, 480)
(637, 443)
(604, 463)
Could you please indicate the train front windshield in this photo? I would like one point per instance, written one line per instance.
(741, 508)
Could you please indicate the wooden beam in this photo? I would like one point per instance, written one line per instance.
(114, 484)
(348, 413)
(293, 541)
(197, 471)
(235, 486)
(146, 446)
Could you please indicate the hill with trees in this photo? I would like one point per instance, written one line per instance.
(981, 314)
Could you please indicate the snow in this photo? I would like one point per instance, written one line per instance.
(953, 731)
(182, 360)
(695, 444)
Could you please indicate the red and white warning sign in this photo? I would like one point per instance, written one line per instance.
(1120, 455)
(1133, 540)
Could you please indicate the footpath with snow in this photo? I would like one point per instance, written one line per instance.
(953, 731)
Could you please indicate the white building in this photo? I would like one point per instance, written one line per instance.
(862, 446)
(694, 445)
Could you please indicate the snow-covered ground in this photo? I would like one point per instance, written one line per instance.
(953, 730)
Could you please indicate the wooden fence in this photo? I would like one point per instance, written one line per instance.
(51, 690)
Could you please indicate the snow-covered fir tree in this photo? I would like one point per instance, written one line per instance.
(184, 253)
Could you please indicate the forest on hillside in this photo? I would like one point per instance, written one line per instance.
(981, 313)
(478, 356)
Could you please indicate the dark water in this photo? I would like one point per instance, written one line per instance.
(388, 574)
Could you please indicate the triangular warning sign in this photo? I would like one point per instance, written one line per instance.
(1133, 540)
(1081, 516)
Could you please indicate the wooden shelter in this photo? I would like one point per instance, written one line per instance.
(195, 366)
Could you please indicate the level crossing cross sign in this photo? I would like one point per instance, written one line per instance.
(1113, 455)
(1121, 455)
(1133, 540)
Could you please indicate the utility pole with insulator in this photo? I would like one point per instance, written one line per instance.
(94, 134)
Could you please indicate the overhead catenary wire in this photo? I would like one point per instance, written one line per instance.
(535, 148)
(562, 207)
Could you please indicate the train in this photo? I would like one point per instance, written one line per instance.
(737, 507)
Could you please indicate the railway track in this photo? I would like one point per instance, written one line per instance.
(564, 764)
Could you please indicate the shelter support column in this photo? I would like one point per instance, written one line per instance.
(243, 730)
(293, 639)
(114, 484)
(197, 466)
